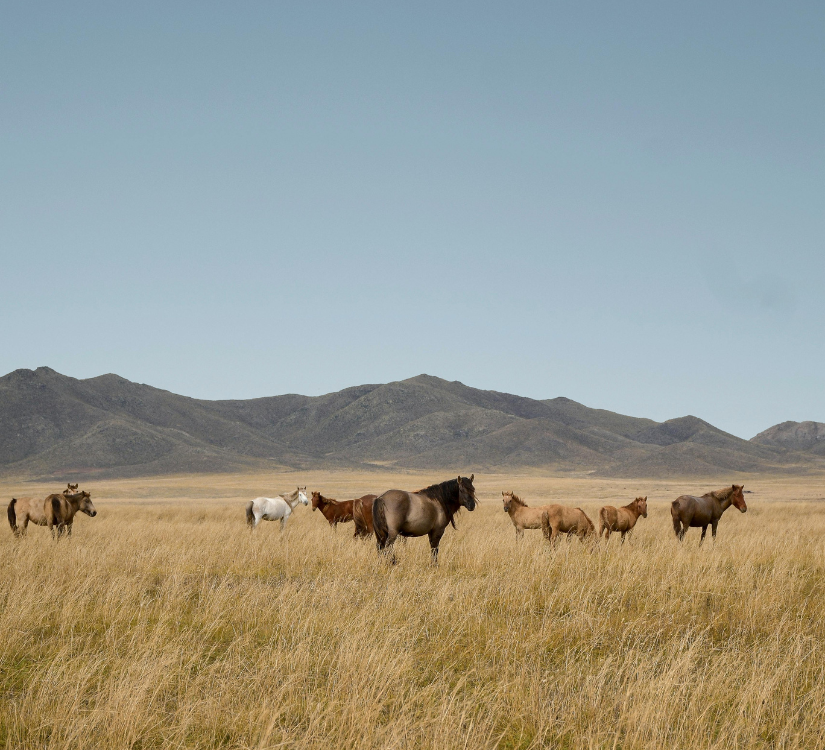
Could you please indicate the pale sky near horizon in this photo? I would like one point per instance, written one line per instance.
(623, 204)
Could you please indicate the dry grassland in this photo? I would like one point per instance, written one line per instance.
(165, 623)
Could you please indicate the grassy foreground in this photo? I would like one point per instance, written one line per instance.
(165, 623)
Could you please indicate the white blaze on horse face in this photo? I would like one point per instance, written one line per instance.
(302, 497)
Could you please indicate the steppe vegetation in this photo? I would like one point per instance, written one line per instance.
(165, 623)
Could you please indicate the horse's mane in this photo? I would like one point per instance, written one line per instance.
(330, 500)
(723, 494)
(443, 493)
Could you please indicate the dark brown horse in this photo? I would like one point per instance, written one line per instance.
(334, 511)
(705, 511)
(428, 511)
(362, 515)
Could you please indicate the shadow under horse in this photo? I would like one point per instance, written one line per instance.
(428, 511)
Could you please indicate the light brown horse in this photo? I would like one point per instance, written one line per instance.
(428, 511)
(525, 517)
(56, 510)
(562, 519)
(71, 489)
(687, 510)
(621, 519)
(335, 511)
(362, 515)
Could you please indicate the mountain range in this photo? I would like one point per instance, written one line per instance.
(53, 425)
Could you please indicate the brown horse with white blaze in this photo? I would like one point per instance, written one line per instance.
(428, 511)
(621, 519)
(687, 510)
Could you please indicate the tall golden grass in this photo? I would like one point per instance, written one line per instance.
(164, 622)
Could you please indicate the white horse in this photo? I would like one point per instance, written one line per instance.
(274, 508)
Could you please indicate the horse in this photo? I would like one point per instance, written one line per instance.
(621, 519)
(687, 510)
(335, 511)
(23, 510)
(61, 509)
(362, 515)
(71, 489)
(274, 508)
(427, 511)
(562, 519)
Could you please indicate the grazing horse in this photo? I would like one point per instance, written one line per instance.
(274, 508)
(562, 519)
(335, 511)
(621, 519)
(60, 510)
(362, 515)
(705, 511)
(23, 510)
(427, 511)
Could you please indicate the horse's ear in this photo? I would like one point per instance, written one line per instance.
(472, 477)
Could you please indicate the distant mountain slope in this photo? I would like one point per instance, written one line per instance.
(51, 424)
(795, 436)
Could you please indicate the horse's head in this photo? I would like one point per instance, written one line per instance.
(302, 496)
(85, 503)
(737, 497)
(641, 506)
(71, 489)
(466, 492)
(507, 499)
(316, 500)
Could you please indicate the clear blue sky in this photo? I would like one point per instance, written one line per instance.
(622, 203)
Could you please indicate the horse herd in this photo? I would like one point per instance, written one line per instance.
(410, 514)
(429, 512)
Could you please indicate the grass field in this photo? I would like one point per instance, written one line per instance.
(164, 623)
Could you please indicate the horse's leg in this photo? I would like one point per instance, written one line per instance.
(435, 539)
(704, 531)
(69, 528)
(623, 535)
(283, 522)
(713, 526)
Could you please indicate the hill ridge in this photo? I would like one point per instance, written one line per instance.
(54, 424)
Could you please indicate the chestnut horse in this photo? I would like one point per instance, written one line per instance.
(56, 510)
(428, 511)
(621, 519)
(705, 511)
(335, 511)
(362, 515)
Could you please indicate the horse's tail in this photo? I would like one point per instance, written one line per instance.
(590, 527)
(379, 521)
(603, 523)
(358, 518)
(674, 514)
(57, 515)
(250, 516)
(13, 516)
(545, 525)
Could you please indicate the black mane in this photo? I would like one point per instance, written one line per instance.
(446, 493)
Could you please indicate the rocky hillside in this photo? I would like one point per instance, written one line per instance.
(51, 425)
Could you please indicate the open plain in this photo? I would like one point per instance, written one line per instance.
(164, 622)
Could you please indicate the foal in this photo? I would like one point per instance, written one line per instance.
(621, 519)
